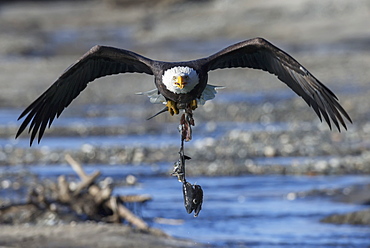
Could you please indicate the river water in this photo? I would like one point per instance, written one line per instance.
(256, 211)
(242, 211)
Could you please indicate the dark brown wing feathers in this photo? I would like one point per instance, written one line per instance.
(98, 62)
(260, 54)
(255, 53)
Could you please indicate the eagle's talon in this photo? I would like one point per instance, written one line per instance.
(172, 108)
(193, 104)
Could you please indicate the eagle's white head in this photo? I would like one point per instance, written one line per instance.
(180, 79)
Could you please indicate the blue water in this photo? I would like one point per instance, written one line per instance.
(243, 211)
(254, 211)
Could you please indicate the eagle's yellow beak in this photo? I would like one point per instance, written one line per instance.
(180, 82)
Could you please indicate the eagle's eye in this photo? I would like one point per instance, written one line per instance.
(174, 78)
(186, 77)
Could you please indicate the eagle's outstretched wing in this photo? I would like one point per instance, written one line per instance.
(258, 53)
(99, 61)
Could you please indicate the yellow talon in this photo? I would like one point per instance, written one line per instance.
(172, 108)
(193, 104)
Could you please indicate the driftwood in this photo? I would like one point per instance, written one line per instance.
(97, 202)
(66, 202)
(62, 202)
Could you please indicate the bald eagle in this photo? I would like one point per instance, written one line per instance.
(180, 84)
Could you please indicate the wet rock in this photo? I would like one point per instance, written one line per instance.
(356, 194)
(354, 218)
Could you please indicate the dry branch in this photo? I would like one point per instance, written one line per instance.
(88, 198)
(102, 197)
